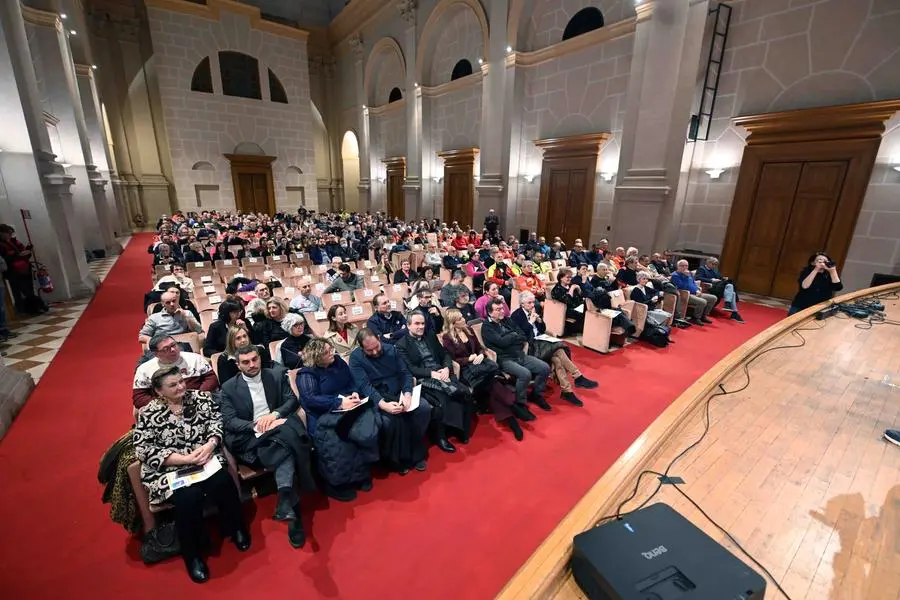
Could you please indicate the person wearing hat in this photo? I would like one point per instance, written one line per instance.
(292, 346)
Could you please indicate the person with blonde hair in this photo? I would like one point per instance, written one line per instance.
(226, 364)
(478, 371)
(344, 433)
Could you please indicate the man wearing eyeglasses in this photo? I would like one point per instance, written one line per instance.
(195, 370)
(171, 320)
(434, 321)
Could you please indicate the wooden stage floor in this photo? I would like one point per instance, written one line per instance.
(795, 467)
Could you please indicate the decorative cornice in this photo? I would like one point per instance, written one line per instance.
(453, 86)
(212, 9)
(407, 9)
(586, 144)
(84, 71)
(575, 44)
(50, 118)
(464, 156)
(384, 109)
(41, 18)
(357, 46)
(644, 10)
(849, 121)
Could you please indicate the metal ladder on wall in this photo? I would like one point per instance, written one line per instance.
(700, 122)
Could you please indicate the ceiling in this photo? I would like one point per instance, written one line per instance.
(307, 13)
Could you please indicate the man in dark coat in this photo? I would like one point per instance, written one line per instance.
(432, 366)
(262, 428)
(382, 377)
(389, 325)
(492, 223)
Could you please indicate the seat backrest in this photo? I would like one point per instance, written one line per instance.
(279, 260)
(397, 290)
(190, 338)
(252, 261)
(214, 359)
(317, 322)
(275, 350)
(360, 312)
(329, 300)
(365, 294)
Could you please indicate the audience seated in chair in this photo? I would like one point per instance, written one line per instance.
(528, 281)
(171, 320)
(449, 398)
(642, 293)
(226, 363)
(167, 352)
(268, 329)
(382, 377)
(405, 274)
(306, 301)
(230, 314)
(554, 353)
(345, 437)
(451, 290)
(720, 286)
(502, 336)
(482, 305)
(263, 429)
(179, 278)
(569, 294)
(701, 303)
(346, 281)
(465, 307)
(434, 320)
(479, 372)
(341, 332)
(292, 346)
(389, 325)
(183, 428)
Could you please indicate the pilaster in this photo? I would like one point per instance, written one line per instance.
(365, 165)
(412, 188)
(58, 74)
(661, 88)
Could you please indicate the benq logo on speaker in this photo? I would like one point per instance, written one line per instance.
(654, 553)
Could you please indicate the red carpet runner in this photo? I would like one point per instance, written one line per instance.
(459, 530)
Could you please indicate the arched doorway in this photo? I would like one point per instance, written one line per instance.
(350, 160)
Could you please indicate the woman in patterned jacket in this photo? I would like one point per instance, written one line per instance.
(182, 429)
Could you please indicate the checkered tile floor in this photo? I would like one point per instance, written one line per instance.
(40, 338)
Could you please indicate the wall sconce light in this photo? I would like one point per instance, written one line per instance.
(63, 16)
(607, 176)
(715, 173)
(364, 107)
(480, 61)
(437, 179)
(509, 49)
(416, 84)
(529, 178)
(73, 32)
(94, 67)
(65, 165)
(382, 179)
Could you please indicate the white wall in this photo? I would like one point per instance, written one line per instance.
(204, 127)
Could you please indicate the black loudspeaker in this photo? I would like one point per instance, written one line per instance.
(656, 554)
(523, 236)
(883, 278)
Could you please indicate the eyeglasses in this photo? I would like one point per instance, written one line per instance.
(168, 348)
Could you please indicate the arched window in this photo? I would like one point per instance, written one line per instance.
(461, 69)
(240, 75)
(395, 95)
(585, 20)
(202, 78)
(276, 90)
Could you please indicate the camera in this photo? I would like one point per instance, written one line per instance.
(829, 263)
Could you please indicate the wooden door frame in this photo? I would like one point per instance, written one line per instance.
(394, 165)
(850, 133)
(559, 152)
(252, 164)
(460, 162)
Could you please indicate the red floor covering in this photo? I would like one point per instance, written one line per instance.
(459, 530)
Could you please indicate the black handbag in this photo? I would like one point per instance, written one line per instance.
(160, 543)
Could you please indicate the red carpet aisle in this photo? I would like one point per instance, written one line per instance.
(459, 530)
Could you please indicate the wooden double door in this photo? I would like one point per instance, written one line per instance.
(793, 214)
(803, 177)
(396, 177)
(459, 186)
(568, 179)
(254, 186)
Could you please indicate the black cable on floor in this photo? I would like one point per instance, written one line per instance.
(706, 426)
